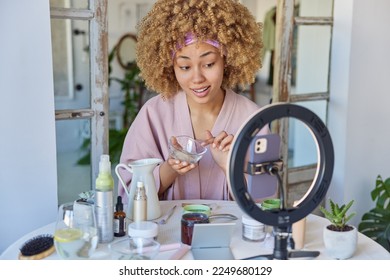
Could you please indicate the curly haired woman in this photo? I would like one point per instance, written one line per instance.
(193, 53)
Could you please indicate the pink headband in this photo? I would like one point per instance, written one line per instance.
(191, 38)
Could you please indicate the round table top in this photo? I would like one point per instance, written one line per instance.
(169, 236)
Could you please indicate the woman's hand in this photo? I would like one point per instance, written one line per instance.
(219, 146)
(181, 167)
(169, 171)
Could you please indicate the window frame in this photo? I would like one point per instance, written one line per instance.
(285, 23)
(98, 113)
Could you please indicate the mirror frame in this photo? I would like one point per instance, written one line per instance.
(122, 63)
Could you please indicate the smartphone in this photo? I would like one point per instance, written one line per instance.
(263, 149)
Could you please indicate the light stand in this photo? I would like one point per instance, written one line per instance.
(283, 218)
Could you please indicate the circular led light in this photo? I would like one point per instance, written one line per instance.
(236, 163)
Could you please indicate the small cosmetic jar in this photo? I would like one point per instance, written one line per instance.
(197, 208)
(252, 230)
(187, 225)
(269, 204)
(143, 229)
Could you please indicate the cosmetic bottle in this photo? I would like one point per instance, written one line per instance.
(104, 202)
(119, 218)
(140, 203)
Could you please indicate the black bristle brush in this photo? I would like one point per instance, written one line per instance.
(37, 247)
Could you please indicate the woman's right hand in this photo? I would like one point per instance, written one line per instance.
(180, 167)
(169, 171)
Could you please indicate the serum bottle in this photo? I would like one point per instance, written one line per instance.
(140, 203)
(119, 218)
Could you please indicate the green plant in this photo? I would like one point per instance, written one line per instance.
(132, 86)
(376, 222)
(338, 216)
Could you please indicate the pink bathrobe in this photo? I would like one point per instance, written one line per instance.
(158, 120)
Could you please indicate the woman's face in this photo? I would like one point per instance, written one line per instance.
(199, 71)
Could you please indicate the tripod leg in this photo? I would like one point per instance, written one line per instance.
(260, 257)
(303, 254)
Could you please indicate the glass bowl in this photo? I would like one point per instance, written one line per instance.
(186, 149)
(136, 248)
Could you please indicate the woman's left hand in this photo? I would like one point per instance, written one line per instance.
(219, 146)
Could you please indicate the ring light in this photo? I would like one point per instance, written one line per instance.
(281, 218)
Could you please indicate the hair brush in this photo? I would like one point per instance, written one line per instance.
(37, 248)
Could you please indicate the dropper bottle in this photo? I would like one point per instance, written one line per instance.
(119, 218)
(104, 202)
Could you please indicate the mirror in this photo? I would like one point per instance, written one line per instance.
(126, 50)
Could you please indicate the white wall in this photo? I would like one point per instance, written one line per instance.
(28, 173)
(359, 115)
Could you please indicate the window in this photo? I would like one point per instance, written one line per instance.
(80, 57)
(301, 75)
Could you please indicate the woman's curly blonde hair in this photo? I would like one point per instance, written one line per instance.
(165, 27)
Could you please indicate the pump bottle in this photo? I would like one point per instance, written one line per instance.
(104, 201)
(140, 203)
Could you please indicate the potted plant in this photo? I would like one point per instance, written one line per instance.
(376, 222)
(340, 238)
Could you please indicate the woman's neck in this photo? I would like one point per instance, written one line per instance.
(203, 116)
